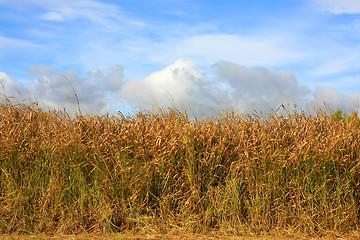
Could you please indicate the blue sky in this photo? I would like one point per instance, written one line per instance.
(202, 55)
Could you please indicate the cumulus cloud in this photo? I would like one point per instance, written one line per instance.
(111, 77)
(91, 91)
(261, 86)
(336, 100)
(182, 85)
(234, 86)
(40, 70)
(179, 85)
(12, 89)
(63, 89)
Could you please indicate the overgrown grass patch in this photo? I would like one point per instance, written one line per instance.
(161, 171)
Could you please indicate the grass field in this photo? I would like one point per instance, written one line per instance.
(289, 174)
(127, 236)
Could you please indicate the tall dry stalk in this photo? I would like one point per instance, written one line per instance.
(162, 171)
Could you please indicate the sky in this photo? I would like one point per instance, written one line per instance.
(202, 56)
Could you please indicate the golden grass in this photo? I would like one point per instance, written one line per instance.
(162, 172)
(183, 236)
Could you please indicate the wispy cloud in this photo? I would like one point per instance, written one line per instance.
(340, 64)
(65, 34)
(347, 84)
(7, 44)
(248, 50)
(339, 6)
(108, 15)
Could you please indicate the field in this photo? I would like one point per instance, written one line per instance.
(288, 173)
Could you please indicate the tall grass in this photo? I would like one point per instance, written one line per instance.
(161, 171)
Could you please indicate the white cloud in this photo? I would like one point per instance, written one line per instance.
(108, 15)
(7, 43)
(234, 86)
(348, 83)
(178, 85)
(53, 16)
(40, 70)
(245, 50)
(339, 6)
(336, 100)
(68, 10)
(111, 77)
(57, 89)
(342, 62)
(181, 85)
(11, 89)
(261, 87)
(92, 91)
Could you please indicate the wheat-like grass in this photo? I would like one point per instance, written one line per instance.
(161, 171)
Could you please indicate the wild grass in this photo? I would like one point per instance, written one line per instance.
(161, 171)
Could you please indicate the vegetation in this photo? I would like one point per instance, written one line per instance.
(162, 172)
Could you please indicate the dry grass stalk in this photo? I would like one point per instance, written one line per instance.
(162, 171)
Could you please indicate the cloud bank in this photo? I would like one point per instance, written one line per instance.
(182, 85)
(58, 90)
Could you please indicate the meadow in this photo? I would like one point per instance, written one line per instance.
(161, 172)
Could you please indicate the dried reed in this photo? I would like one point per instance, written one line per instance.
(162, 172)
